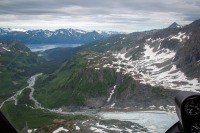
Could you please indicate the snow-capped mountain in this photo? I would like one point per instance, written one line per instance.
(69, 36)
(169, 58)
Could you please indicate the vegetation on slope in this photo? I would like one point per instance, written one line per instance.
(78, 83)
(21, 116)
(73, 84)
(16, 66)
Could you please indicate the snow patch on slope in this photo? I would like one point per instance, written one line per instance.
(6, 49)
(180, 36)
(147, 70)
(112, 92)
(60, 129)
(155, 67)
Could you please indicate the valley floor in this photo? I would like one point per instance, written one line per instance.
(103, 120)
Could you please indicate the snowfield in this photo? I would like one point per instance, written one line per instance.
(155, 66)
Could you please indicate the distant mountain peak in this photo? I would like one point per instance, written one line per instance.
(69, 35)
(174, 25)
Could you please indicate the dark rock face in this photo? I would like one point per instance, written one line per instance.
(188, 56)
(145, 96)
(174, 25)
(170, 44)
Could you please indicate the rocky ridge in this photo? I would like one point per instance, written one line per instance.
(168, 58)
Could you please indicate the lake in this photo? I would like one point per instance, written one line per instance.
(155, 121)
(43, 47)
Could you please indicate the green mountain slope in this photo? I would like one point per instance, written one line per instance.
(79, 84)
(17, 63)
(74, 84)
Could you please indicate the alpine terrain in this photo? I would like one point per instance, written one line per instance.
(79, 89)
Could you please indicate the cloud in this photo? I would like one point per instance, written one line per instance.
(105, 14)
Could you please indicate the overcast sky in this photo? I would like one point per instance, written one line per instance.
(115, 15)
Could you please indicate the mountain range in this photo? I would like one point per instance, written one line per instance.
(156, 63)
(123, 72)
(61, 36)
